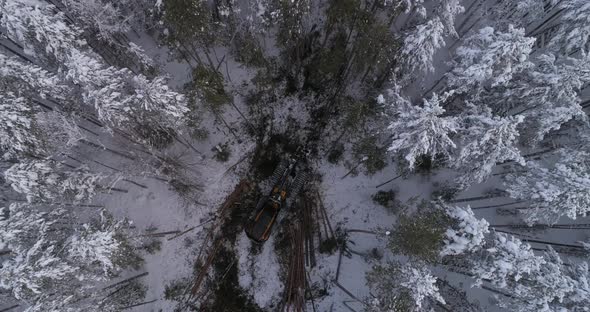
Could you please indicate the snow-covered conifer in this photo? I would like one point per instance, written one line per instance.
(573, 33)
(560, 190)
(534, 282)
(140, 55)
(421, 44)
(121, 98)
(101, 15)
(17, 134)
(98, 246)
(410, 5)
(409, 287)
(542, 290)
(422, 130)
(43, 33)
(548, 95)
(506, 259)
(45, 181)
(448, 10)
(33, 264)
(520, 13)
(550, 284)
(27, 274)
(580, 296)
(489, 140)
(155, 97)
(53, 266)
(420, 283)
(466, 234)
(31, 78)
(111, 20)
(490, 58)
(21, 220)
(59, 133)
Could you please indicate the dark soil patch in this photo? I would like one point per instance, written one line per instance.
(329, 246)
(268, 154)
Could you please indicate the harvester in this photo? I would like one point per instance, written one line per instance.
(287, 180)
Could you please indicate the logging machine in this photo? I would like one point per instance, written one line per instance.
(288, 179)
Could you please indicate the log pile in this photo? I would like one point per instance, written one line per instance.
(310, 228)
(296, 280)
(214, 239)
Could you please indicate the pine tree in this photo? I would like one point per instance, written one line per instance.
(101, 15)
(410, 6)
(548, 95)
(580, 296)
(423, 130)
(562, 190)
(466, 234)
(531, 282)
(395, 287)
(60, 133)
(17, 135)
(421, 285)
(33, 265)
(121, 98)
(488, 141)
(420, 45)
(53, 266)
(448, 10)
(30, 79)
(190, 28)
(489, 58)
(521, 13)
(506, 260)
(573, 33)
(550, 284)
(99, 246)
(45, 181)
(111, 20)
(43, 33)
(157, 102)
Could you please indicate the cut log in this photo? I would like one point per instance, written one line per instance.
(127, 280)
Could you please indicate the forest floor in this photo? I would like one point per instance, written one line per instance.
(250, 277)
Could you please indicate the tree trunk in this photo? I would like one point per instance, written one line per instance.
(496, 291)
(333, 145)
(538, 241)
(231, 130)
(496, 206)
(436, 83)
(127, 280)
(353, 168)
(139, 304)
(10, 308)
(17, 53)
(390, 180)
(461, 200)
(107, 149)
(550, 18)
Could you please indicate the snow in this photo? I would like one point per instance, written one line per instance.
(423, 130)
(259, 274)
(421, 284)
(420, 45)
(470, 234)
